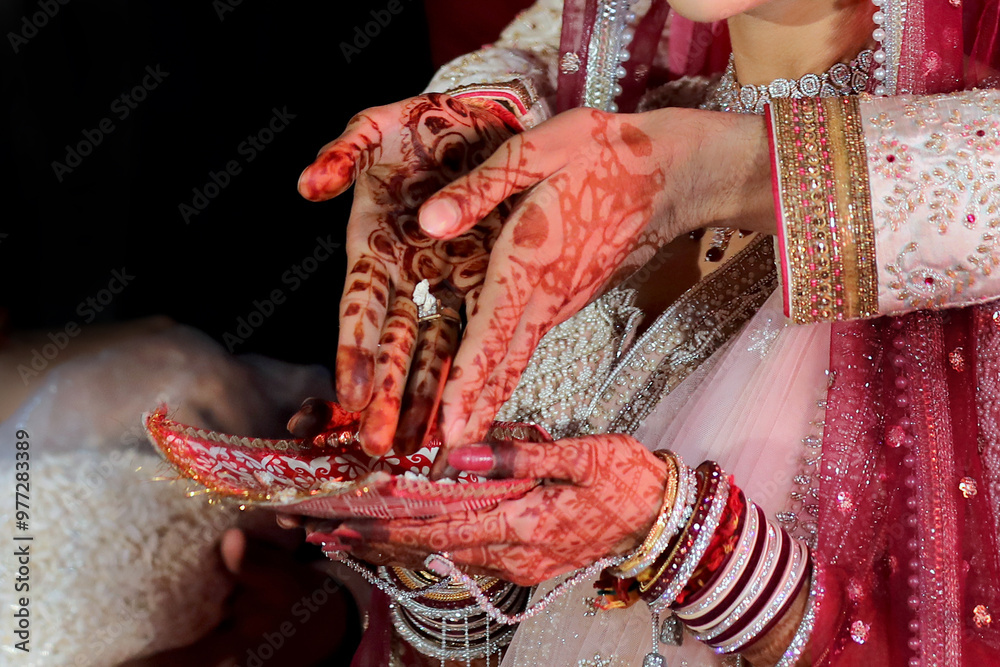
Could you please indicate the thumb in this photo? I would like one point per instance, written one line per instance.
(571, 460)
(459, 206)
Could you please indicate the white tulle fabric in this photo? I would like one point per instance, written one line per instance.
(749, 407)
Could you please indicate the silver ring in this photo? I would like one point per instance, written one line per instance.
(428, 305)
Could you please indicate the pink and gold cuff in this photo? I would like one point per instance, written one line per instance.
(822, 198)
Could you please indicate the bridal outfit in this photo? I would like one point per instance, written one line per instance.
(846, 372)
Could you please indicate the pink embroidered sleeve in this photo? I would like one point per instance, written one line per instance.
(887, 205)
(935, 195)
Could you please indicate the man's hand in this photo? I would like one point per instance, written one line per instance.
(397, 156)
(602, 193)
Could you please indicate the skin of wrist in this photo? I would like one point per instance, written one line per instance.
(724, 177)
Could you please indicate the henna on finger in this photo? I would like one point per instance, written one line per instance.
(399, 156)
(461, 530)
(363, 309)
(492, 329)
(551, 530)
(378, 421)
(572, 460)
(460, 206)
(340, 162)
(506, 372)
(565, 240)
(615, 495)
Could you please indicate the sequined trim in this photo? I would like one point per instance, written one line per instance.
(801, 513)
(684, 336)
(607, 43)
(800, 641)
(572, 362)
(828, 233)
(940, 571)
(988, 400)
(892, 42)
(858, 246)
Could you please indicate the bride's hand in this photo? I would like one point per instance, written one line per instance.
(600, 497)
(397, 156)
(606, 191)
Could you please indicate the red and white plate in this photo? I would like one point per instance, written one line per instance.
(329, 476)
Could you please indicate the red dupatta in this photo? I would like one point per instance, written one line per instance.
(908, 539)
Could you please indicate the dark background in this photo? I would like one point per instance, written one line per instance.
(229, 65)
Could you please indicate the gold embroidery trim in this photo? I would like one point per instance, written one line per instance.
(825, 197)
(860, 222)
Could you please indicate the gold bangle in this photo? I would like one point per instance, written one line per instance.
(652, 574)
(644, 551)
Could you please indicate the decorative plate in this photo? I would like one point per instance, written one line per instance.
(329, 476)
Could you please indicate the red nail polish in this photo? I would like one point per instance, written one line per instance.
(348, 535)
(473, 458)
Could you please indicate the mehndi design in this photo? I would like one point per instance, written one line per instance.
(328, 476)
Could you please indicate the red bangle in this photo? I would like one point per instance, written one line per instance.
(721, 547)
(667, 565)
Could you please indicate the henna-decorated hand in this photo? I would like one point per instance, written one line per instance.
(606, 191)
(602, 494)
(397, 156)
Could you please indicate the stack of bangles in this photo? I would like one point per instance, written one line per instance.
(714, 559)
(443, 621)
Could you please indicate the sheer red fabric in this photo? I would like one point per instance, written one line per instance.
(908, 550)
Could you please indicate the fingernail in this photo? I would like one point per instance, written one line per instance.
(346, 533)
(439, 216)
(355, 373)
(303, 186)
(472, 458)
(320, 538)
(372, 443)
